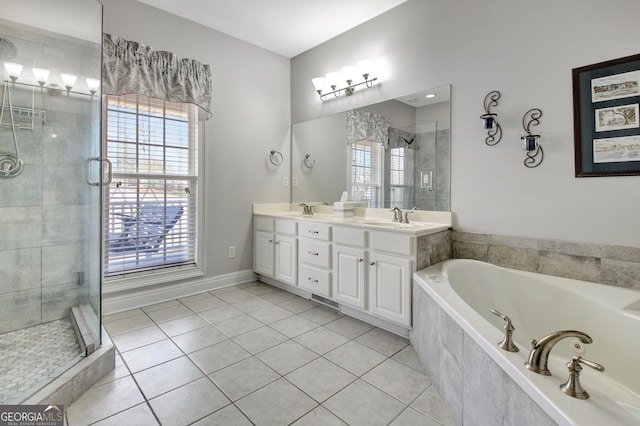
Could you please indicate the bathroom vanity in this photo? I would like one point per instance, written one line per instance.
(360, 265)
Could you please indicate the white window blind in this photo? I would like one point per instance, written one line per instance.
(401, 178)
(151, 204)
(366, 171)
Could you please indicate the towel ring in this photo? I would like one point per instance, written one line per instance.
(307, 162)
(275, 157)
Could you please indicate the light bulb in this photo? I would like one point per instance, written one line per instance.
(68, 80)
(331, 79)
(365, 68)
(41, 75)
(318, 83)
(348, 73)
(93, 85)
(13, 69)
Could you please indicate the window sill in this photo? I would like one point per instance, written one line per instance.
(146, 279)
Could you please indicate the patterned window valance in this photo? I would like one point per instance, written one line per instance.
(367, 126)
(133, 68)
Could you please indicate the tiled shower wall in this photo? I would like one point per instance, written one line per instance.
(43, 211)
(433, 154)
(600, 263)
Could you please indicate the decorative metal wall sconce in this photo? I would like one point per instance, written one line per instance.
(531, 142)
(350, 75)
(308, 162)
(490, 120)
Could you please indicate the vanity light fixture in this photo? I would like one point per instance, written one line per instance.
(93, 85)
(68, 80)
(41, 75)
(352, 77)
(490, 120)
(530, 141)
(13, 70)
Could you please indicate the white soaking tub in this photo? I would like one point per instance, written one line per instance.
(459, 295)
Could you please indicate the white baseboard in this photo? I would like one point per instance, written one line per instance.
(125, 300)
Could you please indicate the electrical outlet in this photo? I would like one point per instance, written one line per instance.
(294, 182)
(232, 252)
(285, 181)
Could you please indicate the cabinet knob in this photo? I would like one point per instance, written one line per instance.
(313, 232)
(277, 242)
(360, 260)
(270, 241)
(312, 280)
(372, 263)
(313, 253)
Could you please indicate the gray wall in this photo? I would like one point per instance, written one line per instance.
(527, 52)
(251, 116)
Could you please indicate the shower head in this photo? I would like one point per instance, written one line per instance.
(8, 50)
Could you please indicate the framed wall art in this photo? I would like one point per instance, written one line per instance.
(606, 121)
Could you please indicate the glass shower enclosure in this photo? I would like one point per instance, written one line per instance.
(50, 190)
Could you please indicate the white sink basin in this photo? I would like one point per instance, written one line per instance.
(386, 224)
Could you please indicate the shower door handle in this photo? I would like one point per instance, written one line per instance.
(107, 162)
(87, 171)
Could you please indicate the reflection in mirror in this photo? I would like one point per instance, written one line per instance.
(408, 167)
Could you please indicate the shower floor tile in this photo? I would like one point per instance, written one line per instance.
(32, 357)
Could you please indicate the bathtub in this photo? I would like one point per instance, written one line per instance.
(455, 336)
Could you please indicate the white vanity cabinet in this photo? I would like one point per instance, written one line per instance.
(349, 266)
(391, 260)
(365, 270)
(314, 255)
(275, 253)
(286, 251)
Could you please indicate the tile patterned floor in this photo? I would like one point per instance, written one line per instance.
(254, 354)
(23, 369)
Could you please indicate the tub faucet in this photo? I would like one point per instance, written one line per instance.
(539, 355)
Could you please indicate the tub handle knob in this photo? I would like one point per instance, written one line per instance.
(507, 343)
(572, 386)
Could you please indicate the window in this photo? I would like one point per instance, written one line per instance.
(400, 178)
(150, 208)
(366, 171)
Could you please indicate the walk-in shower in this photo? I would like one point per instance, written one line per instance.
(50, 278)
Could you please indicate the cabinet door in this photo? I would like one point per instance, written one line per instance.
(263, 258)
(349, 276)
(286, 265)
(390, 287)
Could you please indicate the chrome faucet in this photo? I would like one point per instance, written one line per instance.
(539, 355)
(406, 214)
(306, 210)
(397, 214)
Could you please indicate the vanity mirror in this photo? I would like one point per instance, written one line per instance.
(396, 153)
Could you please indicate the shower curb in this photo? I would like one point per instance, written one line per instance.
(73, 383)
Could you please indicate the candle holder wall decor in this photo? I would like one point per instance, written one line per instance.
(531, 142)
(490, 120)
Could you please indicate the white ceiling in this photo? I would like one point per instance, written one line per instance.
(286, 27)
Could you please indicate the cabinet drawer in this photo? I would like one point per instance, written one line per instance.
(314, 252)
(355, 237)
(265, 224)
(315, 280)
(392, 242)
(286, 227)
(318, 231)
